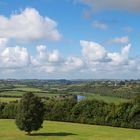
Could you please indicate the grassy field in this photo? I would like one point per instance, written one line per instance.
(67, 131)
(107, 99)
(12, 93)
(7, 99)
(28, 89)
(20, 93)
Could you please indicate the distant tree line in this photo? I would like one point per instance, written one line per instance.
(87, 111)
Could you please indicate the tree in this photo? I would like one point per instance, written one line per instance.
(30, 113)
(10, 110)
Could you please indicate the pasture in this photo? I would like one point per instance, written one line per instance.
(67, 131)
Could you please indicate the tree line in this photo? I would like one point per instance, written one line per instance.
(87, 111)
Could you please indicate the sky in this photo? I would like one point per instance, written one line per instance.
(70, 39)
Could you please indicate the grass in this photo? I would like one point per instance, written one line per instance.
(67, 131)
(27, 89)
(46, 94)
(12, 93)
(107, 99)
(8, 99)
(21, 90)
(20, 93)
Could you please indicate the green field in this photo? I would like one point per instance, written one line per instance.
(107, 99)
(6, 99)
(12, 93)
(20, 93)
(28, 89)
(67, 131)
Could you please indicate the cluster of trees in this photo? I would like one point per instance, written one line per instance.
(86, 111)
(95, 112)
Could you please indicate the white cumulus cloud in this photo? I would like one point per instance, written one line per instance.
(14, 57)
(95, 60)
(54, 56)
(120, 58)
(98, 59)
(92, 51)
(45, 60)
(28, 25)
(3, 42)
(73, 63)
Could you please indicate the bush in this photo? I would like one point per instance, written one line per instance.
(10, 110)
(59, 110)
(90, 111)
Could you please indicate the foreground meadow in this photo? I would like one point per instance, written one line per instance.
(67, 131)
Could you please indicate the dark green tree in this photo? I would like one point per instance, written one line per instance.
(30, 113)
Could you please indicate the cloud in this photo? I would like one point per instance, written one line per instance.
(95, 60)
(125, 5)
(45, 60)
(45, 56)
(28, 25)
(101, 61)
(92, 51)
(51, 62)
(17, 59)
(3, 42)
(14, 57)
(73, 63)
(123, 39)
(54, 56)
(120, 58)
(46, 69)
(41, 53)
(99, 25)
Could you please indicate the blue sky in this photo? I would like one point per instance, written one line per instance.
(72, 39)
